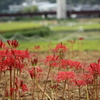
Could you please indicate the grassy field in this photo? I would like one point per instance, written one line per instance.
(86, 45)
(61, 25)
(13, 26)
(9, 29)
(85, 27)
(92, 37)
(61, 36)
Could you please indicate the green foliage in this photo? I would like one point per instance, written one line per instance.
(29, 9)
(28, 18)
(39, 31)
(8, 29)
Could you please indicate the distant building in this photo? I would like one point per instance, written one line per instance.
(86, 7)
(15, 8)
(45, 5)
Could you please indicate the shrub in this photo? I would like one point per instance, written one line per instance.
(40, 31)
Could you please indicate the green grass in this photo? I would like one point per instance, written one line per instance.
(87, 24)
(16, 26)
(91, 45)
(8, 29)
(30, 45)
(89, 35)
(86, 45)
(61, 26)
(93, 26)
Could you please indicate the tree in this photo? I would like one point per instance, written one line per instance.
(29, 9)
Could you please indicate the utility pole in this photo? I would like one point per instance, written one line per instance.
(61, 9)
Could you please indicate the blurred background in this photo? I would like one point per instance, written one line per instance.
(39, 22)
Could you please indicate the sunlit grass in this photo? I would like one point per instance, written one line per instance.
(93, 26)
(16, 26)
(86, 45)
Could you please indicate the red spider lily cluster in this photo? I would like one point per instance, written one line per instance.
(16, 62)
(60, 47)
(1, 44)
(34, 72)
(13, 43)
(62, 76)
(81, 38)
(69, 63)
(55, 68)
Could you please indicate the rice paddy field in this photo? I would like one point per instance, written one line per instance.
(61, 31)
(17, 26)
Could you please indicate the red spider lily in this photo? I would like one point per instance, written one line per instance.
(1, 44)
(15, 53)
(94, 68)
(20, 84)
(60, 47)
(65, 63)
(9, 42)
(65, 76)
(34, 61)
(19, 65)
(71, 41)
(6, 93)
(20, 53)
(9, 62)
(71, 63)
(80, 83)
(81, 38)
(37, 47)
(4, 53)
(88, 78)
(12, 62)
(24, 88)
(52, 60)
(35, 72)
(17, 82)
(54, 86)
(11, 92)
(77, 65)
(54, 64)
(13, 43)
(13, 59)
(99, 60)
(3, 66)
